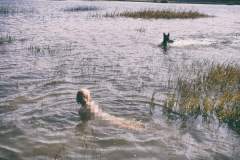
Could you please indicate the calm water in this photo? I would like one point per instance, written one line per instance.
(55, 53)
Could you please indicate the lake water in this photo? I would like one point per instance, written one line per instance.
(56, 52)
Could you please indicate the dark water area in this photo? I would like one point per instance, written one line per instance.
(54, 53)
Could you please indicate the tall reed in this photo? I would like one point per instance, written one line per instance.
(211, 93)
(156, 14)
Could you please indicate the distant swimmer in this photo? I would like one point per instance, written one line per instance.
(90, 110)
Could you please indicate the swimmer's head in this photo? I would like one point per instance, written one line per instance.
(83, 97)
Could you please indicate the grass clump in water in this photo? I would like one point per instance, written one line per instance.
(6, 39)
(158, 14)
(214, 93)
(42, 50)
(4, 10)
(81, 9)
(8, 10)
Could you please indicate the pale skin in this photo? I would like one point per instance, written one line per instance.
(84, 98)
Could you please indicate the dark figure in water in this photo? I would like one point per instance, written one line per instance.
(165, 41)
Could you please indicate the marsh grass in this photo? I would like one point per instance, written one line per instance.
(8, 10)
(6, 39)
(82, 9)
(156, 14)
(42, 50)
(49, 50)
(141, 30)
(213, 93)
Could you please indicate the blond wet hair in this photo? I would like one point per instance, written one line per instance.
(90, 108)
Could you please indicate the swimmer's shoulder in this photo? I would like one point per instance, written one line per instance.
(85, 113)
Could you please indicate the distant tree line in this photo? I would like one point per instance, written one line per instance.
(210, 1)
(230, 2)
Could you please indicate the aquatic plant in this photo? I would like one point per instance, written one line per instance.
(141, 30)
(152, 104)
(164, 1)
(212, 94)
(49, 50)
(81, 9)
(42, 50)
(8, 10)
(156, 14)
(6, 39)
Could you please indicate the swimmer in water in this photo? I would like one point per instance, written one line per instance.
(89, 110)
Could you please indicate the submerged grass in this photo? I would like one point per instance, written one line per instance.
(156, 14)
(81, 9)
(8, 10)
(4, 10)
(41, 50)
(6, 39)
(49, 50)
(212, 94)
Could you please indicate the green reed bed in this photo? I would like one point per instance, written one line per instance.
(213, 93)
(156, 14)
(6, 39)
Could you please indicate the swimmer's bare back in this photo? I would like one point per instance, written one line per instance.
(84, 98)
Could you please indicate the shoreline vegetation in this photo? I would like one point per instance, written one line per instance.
(155, 14)
(213, 94)
(226, 2)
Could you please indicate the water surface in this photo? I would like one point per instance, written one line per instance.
(55, 53)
